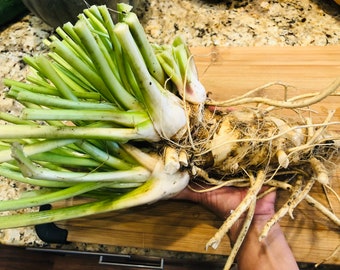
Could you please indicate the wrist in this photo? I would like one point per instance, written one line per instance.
(273, 252)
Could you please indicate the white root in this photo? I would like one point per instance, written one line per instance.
(301, 196)
(236, 214)
(325, 211)
(327, 187)
(325, 190)
(243, 232)
(300, 97)
(171, 160)
(296, 197)
(310, 129)
(183, 158)
(331, 256)
(258, 89)
(321, 130)
(282, 158)
(198, 172)
(291, 104)
(282, 211)
(319, 170)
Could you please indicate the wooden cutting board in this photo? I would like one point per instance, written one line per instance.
(179, 226)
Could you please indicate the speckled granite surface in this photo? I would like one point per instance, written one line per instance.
(202, 23)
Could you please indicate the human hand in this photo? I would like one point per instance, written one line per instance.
(224, 200)
(273, 253)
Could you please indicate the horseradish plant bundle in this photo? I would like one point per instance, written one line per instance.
(109, 117)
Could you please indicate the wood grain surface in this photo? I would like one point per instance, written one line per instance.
(179, 226)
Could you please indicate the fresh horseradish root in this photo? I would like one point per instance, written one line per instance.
(111, 118)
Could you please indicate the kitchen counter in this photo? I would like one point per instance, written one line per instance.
(201, 23)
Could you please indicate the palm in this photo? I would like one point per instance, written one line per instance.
(225, 199)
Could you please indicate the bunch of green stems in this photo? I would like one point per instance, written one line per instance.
(100, 91)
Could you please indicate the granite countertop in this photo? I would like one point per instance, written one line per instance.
(201, 23)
